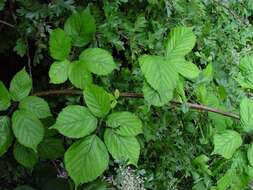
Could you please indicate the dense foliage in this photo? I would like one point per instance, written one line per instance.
(105, 94)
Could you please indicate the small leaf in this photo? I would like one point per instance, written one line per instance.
(51, 148)
(38, 106)
(20, 86)
(6, 135)
(180, 42)
(159, 72)
(80, 27)
(5, 100)
(125, 123)
(156, 98)
(97, 100)
(226, 143)
(246, 110)
(59, 44)
(27, 128)
(122, 148)
(86, 159)
(20, 47)
(25, 156)
(79, 75)
(250, 154)
(98, 61)
(58, 72)
(187, 69)
(75, 121)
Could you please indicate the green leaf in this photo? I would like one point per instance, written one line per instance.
(98, 61)
(125, 123)
(20, 47)
(27, 128)
(246, 110)
(97, 100)
(245, 77)
(20, 86)
(75, 121)
(159, 72)
(6, 136)
(59, 44)
(25, 156)
(122, 148)
(38, 106)
(250, 154)
(51, 148)
(156, 98)
(80, 27)
(180, 42)
(58, 72)
(24, 187)
(79, 75)
(226, 143)
(187, 69)
(86, 159)
(5, 100)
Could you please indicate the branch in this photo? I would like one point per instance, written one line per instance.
(139, 95)
(7, 24)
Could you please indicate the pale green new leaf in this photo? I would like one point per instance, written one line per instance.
(226, 143)
(125, 123)
(180, 42)
(75, 121)
(246, 110)
(79, 75)
(159, 72)
(250, 154)
(187, 69)
(25, 156)
(6, 135)
(156, 98)
(86, 159)
(5, 100)
(122, 148)
(27, 128)
(36, 105)
(97, 100)
(80, 27)
(98, 61)
(51, 148)
(59, 44)
(20, 86)
(58, 72)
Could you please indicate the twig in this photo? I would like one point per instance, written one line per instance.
(139, 95)
(7, 24)
(28, 59)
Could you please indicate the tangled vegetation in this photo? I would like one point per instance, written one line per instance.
(131, 95)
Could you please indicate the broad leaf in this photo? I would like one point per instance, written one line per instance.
(86, 159)
(226, 143)
(245, 77)
(79, 75)
(250, 154)
(59, 44)
(98, 61)
(25, 156)
(35, 105)
(51, 148)
(27, 128)
(58, 72)
(20, 86)
(156, 98)
(125, 123)
(246, 110)
(75, 121)
(97, 100)
(159, 72)
(122, 148)
(187, 69)
(5, 100)
(180, 42)
(80, 27)
(6, 136)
